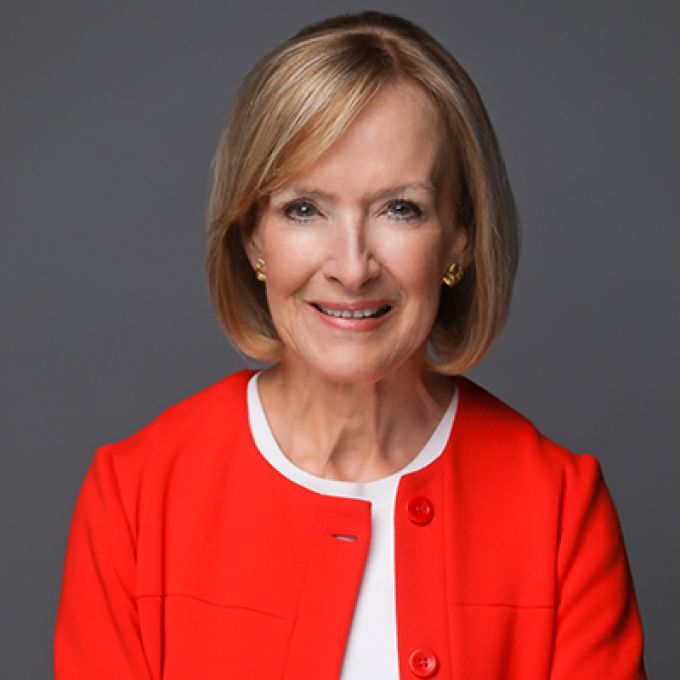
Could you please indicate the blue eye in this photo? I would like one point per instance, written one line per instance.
(303, 210)
(404, 210)
(299, 210)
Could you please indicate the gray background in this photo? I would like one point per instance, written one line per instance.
(110, 116)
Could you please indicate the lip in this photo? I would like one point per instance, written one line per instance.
(352, 306)
(361, 325)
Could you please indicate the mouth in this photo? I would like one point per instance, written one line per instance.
(366, 313)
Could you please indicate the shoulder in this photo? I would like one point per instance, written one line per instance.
(497, 435)
(504, 465)
(217, 412)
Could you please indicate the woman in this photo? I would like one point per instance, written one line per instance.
(359, 509)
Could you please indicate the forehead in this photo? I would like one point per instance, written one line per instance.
(394, 141)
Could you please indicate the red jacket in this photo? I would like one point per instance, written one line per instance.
(190, 557)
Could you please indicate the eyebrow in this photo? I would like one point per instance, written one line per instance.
(313, 192)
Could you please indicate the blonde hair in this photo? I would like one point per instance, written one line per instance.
(299, 99)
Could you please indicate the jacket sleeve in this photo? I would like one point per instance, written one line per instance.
(598, 630)
(97, 632)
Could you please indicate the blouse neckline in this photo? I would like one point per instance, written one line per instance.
(377, 490)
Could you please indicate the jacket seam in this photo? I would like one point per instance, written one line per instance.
(213, 604)
(504, 604)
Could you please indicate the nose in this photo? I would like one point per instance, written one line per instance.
(350, 261)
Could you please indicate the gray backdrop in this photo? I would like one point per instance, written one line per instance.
(110, 116)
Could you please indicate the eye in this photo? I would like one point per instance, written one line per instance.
(300, 210)
(402, 209)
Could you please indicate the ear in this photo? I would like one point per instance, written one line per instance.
(253, 248)
(253, 243)
(459, 247)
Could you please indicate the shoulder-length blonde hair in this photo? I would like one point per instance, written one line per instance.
(293, 105)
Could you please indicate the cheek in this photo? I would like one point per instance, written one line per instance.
(290, 263)
(415, 265)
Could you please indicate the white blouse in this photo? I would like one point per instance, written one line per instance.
(371, 652)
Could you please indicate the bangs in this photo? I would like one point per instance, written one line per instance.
(321, 98)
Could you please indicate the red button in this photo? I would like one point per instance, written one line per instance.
(423, 663)
(420, 509)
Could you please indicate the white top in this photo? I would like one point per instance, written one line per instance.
(371, 652)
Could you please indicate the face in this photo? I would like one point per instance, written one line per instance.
(361, 229)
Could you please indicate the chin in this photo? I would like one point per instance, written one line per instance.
(352, 368)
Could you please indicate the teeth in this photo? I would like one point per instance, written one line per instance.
(356, 314)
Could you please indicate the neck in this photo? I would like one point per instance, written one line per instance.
(350, 431)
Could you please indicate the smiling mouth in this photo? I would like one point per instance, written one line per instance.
(368, 313)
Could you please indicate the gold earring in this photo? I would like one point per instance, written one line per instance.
(259, 269)
(453, 274)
